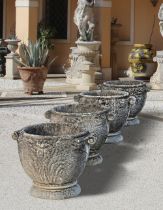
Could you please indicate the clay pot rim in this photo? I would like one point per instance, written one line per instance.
(76, 114)
(120, 94)
(31, 68)
(124, 84)
(27, 135)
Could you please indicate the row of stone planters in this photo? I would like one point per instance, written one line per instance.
(54, 155)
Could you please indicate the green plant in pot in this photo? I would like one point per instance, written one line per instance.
(32, 66)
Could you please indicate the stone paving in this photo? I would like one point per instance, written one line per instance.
(130, 177)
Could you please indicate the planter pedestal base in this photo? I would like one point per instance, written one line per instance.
(48, 192)
(11, 67)
(114, 138)
(132, 121)
(94, 159)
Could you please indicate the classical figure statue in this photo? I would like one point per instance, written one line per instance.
(160, 16)
(84, 19)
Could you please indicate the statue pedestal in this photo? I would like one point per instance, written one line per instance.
(85, 51)
(87, 82)
(11, 66)
(156, 80)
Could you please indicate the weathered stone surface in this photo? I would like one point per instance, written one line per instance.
(137, 89)
(116, 101)
(54, 156)
(89, 117)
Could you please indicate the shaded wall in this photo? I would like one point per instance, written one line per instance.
(10, 17)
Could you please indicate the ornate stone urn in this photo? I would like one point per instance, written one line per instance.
(137, 89)
(53, 156)
(91, 118)
(12, 45)
(118, 103)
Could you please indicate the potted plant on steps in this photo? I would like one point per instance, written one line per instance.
(33, 66)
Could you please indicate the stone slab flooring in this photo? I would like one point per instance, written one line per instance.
(130, 178)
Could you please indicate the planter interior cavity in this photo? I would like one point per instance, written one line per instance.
(54, 156)
(53, 130)
(89, 117)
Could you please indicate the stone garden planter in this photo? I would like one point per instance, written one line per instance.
(54, 156)
(88, 117)
(138, 89)
(117, 102)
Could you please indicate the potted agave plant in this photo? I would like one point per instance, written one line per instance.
(32, 66)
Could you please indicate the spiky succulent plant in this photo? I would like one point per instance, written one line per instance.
(32, 55)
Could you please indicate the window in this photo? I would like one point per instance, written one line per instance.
(1, 18)
(56, 16)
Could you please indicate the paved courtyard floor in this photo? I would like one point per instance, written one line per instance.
(130, 178)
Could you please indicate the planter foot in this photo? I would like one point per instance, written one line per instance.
(94, 159)
(132, 121)
(114, 138)
(55, 194)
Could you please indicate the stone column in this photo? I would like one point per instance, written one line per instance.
(26, 19)
(11, 67)
(156, 80)
(104, 7)
(26, 29)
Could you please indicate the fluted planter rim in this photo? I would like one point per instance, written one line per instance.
(118, 83)
(55, 110)
(24, 132)
(118, 94)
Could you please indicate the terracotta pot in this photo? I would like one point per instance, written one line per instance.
(54, 156)
(33, 79)
(141, 61)
(118, 103)
(138, 89)
(88, 117)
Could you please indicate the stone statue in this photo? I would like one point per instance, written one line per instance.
(160, 16)
(84, 19)
(156, 80)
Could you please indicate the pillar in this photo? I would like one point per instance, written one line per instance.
(26, 19)
(104, 7)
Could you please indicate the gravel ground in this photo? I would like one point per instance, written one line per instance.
(130, 177)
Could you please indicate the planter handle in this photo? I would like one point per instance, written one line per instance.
(90, 140)
(110, 117)
(132, 100)
(47, 114)
(77, 98)
(148, 88)
(16, 135)
(100, 87)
